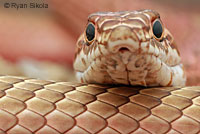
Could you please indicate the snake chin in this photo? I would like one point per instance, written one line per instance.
(128, 68)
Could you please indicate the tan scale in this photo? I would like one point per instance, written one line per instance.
(45, 107)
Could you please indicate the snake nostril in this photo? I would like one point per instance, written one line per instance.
(123, 49)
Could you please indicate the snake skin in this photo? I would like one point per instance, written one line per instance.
(46, 107)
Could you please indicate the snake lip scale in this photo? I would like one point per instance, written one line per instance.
(120, 58)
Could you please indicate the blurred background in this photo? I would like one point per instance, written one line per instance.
(40, 41)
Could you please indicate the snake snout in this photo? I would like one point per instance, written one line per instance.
(123, 39)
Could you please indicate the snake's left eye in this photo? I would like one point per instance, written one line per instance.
(90, 32)
(157, 29)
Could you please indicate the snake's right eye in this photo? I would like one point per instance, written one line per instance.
(157, 29)
(90, 32)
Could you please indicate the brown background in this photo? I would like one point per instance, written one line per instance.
(50, 34)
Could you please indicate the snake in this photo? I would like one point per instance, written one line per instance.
(131, 81)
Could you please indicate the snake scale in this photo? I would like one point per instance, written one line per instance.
(125, 52)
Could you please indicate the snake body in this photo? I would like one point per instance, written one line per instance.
(45, 107)
(117, 50)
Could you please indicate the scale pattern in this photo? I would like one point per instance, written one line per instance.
(47, 107)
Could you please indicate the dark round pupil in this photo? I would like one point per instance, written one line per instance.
(157, 29)
(90, 32)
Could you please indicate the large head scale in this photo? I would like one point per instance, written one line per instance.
(132, 48)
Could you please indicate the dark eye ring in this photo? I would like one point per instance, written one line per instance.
(90, 32)
(157, 29)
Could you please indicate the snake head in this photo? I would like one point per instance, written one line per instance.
(128, 47)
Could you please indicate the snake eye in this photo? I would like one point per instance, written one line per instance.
(90, 32)
(157, 29)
